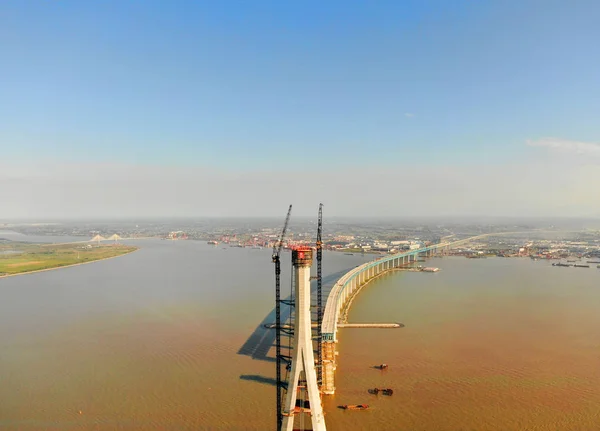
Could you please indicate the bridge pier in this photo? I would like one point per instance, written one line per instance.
(328, 352)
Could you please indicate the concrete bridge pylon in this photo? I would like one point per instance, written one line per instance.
(303, 360)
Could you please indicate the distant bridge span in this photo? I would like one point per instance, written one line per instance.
(345, 289)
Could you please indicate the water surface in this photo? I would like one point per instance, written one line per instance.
(158, 339)
(489, 344)
(167, 338)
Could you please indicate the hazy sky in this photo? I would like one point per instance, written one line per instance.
(130, 108)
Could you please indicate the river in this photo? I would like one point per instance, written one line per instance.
(169, 338)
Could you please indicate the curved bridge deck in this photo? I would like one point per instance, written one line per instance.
(339, 301)
(345, 289)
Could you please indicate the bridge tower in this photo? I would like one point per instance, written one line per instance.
(303, 374)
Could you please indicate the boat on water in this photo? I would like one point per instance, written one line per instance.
(213, 242)
(581, 266)
(384, 391)
(382, 366)
(593, 261)
(430, 269)
(561, 264)
(355, 406)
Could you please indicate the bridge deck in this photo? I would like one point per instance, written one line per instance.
(349, 284)
(334, 303)
(333, 306)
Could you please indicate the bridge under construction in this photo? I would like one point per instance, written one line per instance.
(309, 378)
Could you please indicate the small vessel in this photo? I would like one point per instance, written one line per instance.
(430, 269)
(355, 406)
(212, 242)
(349, 254)
(382, 366)
(593, 261)
(386, 391)
(581, 266)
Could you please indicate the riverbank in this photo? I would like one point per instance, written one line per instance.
(31, 258)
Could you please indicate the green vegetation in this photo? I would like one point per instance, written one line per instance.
(17, 258)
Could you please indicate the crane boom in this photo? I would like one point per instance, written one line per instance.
(277, 246)
(275, 258)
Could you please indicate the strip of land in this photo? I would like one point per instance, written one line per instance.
(21, 258)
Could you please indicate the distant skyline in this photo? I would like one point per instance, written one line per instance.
(158, 109)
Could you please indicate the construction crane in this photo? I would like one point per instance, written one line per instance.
(319, 245)
(275, 258)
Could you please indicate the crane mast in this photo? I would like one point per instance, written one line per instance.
(319, 246)
(276, 260)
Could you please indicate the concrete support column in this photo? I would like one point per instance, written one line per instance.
(328, 354)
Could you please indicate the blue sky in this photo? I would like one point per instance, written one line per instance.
(298, 86)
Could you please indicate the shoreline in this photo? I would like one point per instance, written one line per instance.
(67, 266)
